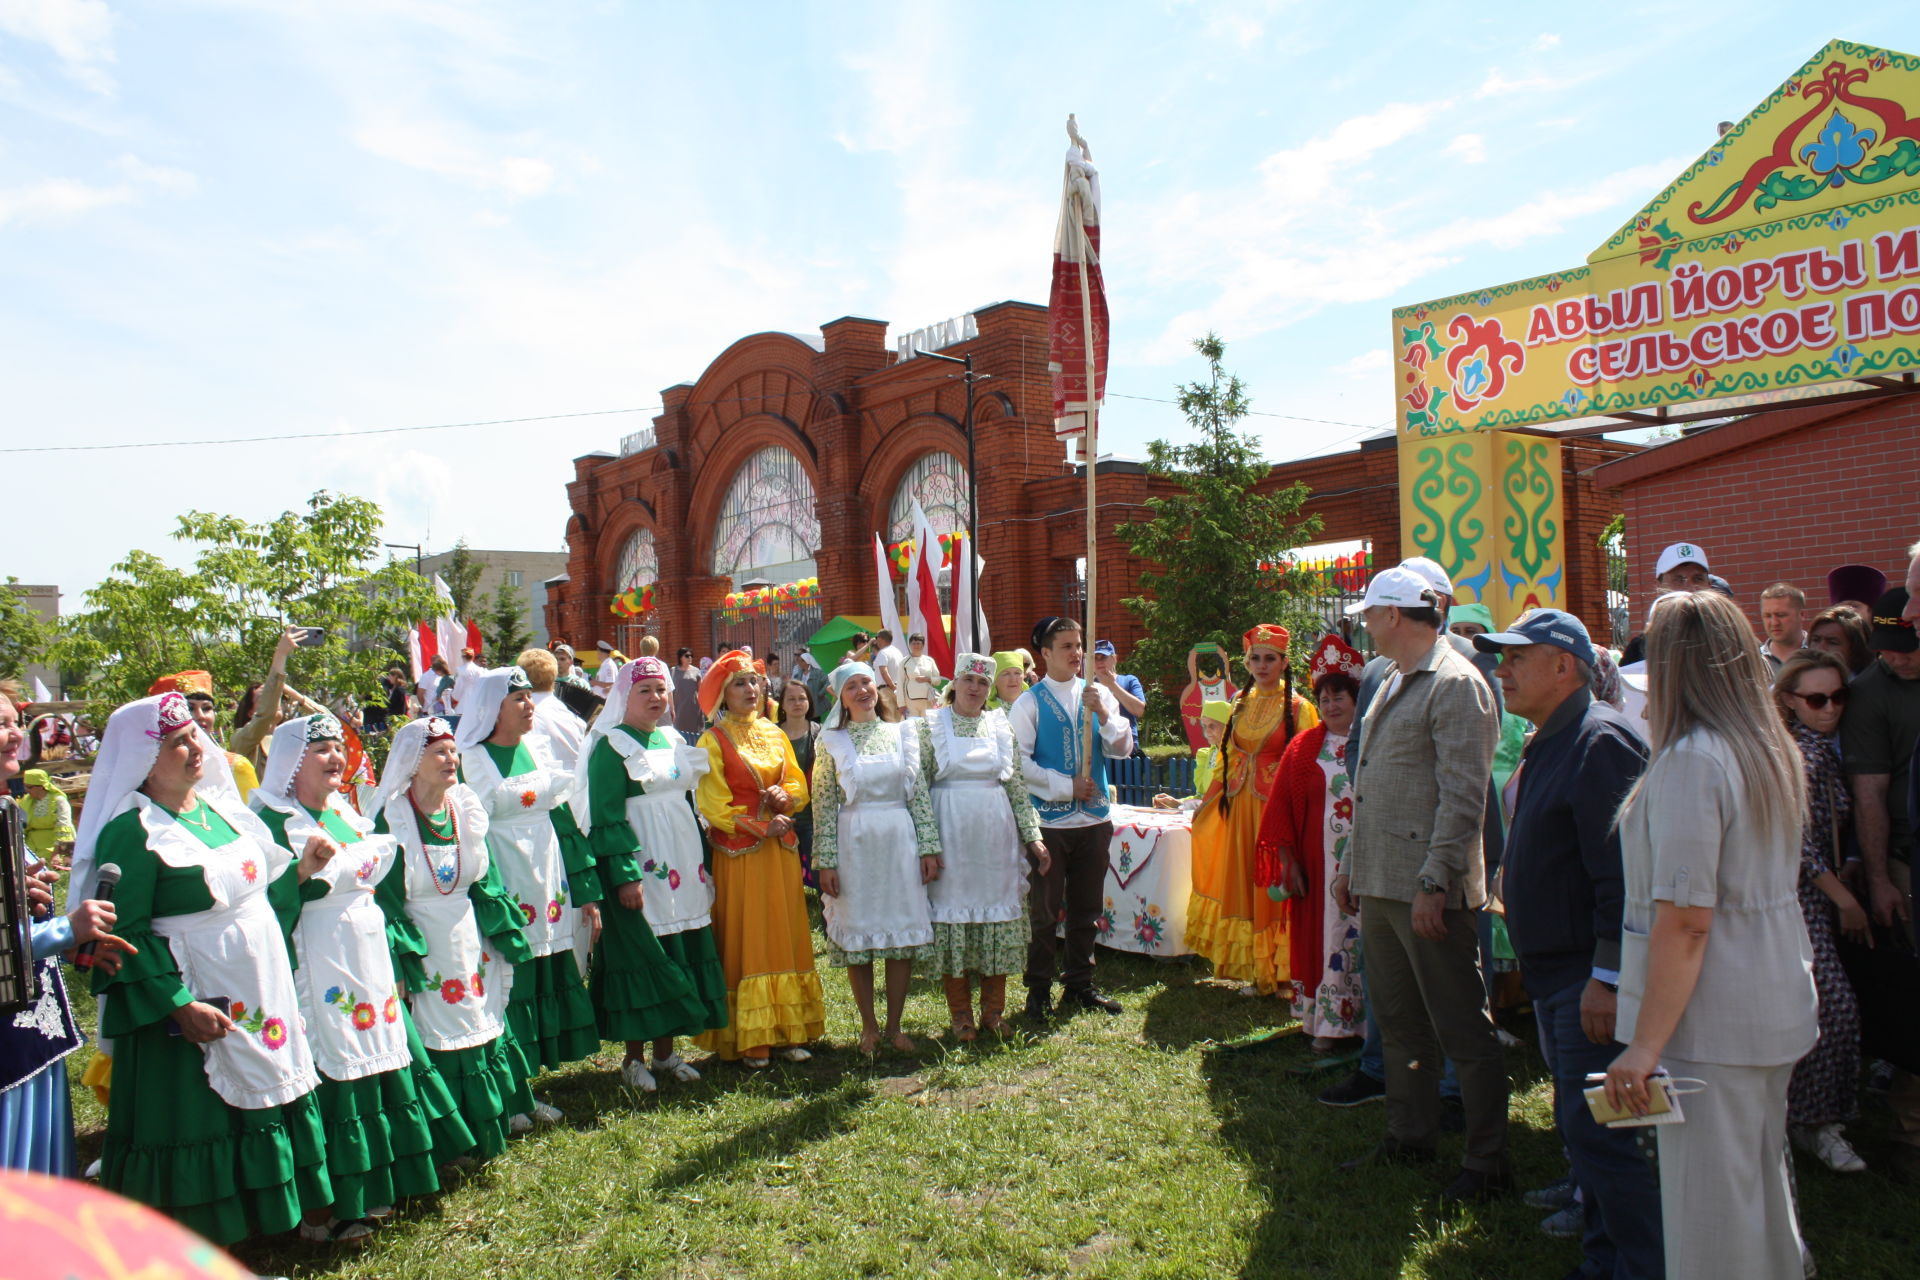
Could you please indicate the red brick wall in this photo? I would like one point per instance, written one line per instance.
(1800, 492)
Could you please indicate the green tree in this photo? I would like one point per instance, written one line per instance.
(321, 567)
(1214, 540)
(24, 634)
(461, 573)
(505, 625)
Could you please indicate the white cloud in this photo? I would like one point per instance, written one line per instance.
(1368, 364)
(441, 148)
(1307, 172)
(1545, 41)
(61, 199)
(79, 32)
(159, 177)
(1498, 84)
(1468, 148)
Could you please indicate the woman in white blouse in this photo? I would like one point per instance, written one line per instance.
(1716, 976)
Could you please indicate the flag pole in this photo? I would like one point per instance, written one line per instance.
(1093, 433)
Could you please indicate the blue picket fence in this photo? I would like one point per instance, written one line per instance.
(1137, 779)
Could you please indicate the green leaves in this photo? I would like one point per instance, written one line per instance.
(320, 567)
(1210, 537)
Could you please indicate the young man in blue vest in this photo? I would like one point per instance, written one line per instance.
(1048, 722)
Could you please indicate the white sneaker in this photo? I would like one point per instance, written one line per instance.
(546, 1114)
(677, 1067)
(1828, 1145)
(93, 1172)
(522, 1123)
(794, 1053)
(635, 1073)
(380, 1211)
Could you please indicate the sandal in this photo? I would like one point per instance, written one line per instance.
(965, 1032)
(351, 1231)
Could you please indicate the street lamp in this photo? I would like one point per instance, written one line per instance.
(419, 556)
(973, 494)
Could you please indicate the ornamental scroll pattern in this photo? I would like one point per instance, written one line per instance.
(1446, 492)
(1529, 485)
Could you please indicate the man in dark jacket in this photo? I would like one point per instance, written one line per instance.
(1562, 884)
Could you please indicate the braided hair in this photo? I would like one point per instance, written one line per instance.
(1224, 770)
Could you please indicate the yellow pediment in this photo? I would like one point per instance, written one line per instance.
(1837, 132)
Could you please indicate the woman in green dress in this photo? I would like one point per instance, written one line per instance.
(656, 971)
(389, 1117)
(456, 934)
(214, 1119)
(545, 865)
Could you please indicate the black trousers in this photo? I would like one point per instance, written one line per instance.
(1072, 891)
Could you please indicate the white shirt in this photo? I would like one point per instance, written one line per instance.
(565, 730)
(603, 675)
(1116, 743)
(889, 662)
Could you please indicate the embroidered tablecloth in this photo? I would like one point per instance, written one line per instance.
(1149, 876)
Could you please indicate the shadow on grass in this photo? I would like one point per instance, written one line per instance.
(774, 1138)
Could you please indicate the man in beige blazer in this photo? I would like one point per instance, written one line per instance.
(1416, 876)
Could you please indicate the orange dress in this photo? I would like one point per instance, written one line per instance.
(760, 922)
(1230, 919)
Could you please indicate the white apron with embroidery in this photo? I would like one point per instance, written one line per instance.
(236, 950)
(983, 872)
(522, 841)
(471, 985)
(346, 981)
(677, 892)
(881, 903)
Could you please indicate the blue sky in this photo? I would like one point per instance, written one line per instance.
(224, 218)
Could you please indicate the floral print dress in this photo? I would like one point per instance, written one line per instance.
(1335, 1008)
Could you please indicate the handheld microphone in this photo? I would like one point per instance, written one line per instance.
(104, 885)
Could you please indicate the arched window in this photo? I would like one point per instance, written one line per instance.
(939, 481)
(639, 563)
(769, 527)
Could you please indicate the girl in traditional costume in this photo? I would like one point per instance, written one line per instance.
(457, 934)
(524, 791)
(751, 789)
(987, 829)
(875, 847)
(385, 1108)
(1230, 918)
(1303, 846)
(214, 1118)
(656, 971)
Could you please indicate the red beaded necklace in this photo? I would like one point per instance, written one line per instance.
(433, 871)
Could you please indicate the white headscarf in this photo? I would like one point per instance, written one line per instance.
(285, 753)
(403, 758)
(128, 748)
(611, 717)
(480, 712)
(837, 679)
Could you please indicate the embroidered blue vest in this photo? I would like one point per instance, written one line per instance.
(1056, 746)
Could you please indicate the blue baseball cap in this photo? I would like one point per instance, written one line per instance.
(1543, 626)
(1104, 647)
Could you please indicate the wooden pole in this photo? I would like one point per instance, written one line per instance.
(1088, 637)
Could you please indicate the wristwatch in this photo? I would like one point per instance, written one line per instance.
(1429, 885)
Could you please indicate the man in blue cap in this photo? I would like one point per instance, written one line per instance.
(1126, 690)
(1562, 884)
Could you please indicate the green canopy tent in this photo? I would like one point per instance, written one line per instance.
(830, 642)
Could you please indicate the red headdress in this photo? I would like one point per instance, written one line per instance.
(1269, 635)
(1335, 656)
(713, 685)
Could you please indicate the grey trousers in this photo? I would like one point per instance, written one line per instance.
(1725, 1196)
(1432, 1004)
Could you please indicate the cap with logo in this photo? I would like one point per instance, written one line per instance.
(1678, 554)
(1542, 626)
(1400, 587)
(1104, 647)
(1891, 632)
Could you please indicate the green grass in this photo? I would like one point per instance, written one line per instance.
(1126, 1146)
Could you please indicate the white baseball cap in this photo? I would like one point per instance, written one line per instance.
(1401, 587)
(1430, 570)
(1678, 554)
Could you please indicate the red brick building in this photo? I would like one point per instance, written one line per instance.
(1779, 496)
(788, 453)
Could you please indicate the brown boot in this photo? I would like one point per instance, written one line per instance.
(960, 1008)
(993, 1004)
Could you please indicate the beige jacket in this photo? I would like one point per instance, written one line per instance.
(1420, 790)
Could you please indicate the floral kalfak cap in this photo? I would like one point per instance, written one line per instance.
(1334, 655)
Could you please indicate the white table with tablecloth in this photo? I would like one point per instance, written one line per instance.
(1149, 878)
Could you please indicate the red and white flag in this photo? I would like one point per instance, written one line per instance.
(923, 593)
(1077, 308)
(966, 585)
(889, 611)
(449, 632)
(421, 648)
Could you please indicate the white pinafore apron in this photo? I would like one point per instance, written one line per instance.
(346, 981)
(523, 843)
(236, 950)
(470, 984)
(678, 892)
(983, 871)
(882, 903)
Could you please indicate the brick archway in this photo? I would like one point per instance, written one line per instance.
(908, 442)
(716, 475)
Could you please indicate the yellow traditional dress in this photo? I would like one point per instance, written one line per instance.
(1230, 920)
(774, 996)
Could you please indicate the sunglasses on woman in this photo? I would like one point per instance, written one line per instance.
(1818, 701)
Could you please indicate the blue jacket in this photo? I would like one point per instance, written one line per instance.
(1561, 876)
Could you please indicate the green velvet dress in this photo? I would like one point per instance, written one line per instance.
(172, 1142)
(488, 1081)
(385, 1132)
(647, 986)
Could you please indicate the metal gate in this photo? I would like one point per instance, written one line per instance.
(784, 633)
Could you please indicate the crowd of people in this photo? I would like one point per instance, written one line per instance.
(317, 996)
